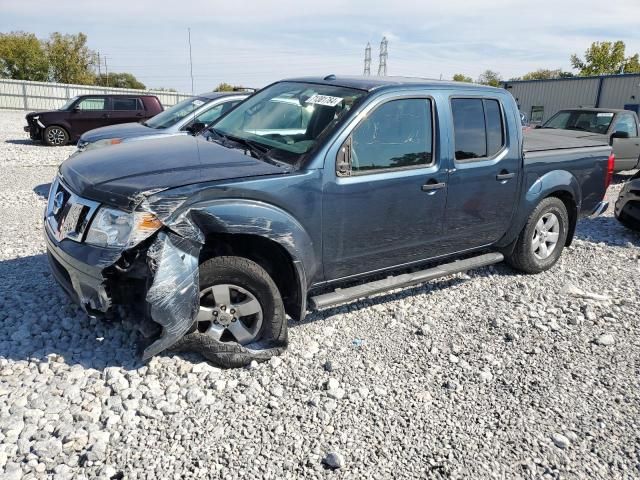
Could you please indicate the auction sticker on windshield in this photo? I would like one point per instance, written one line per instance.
(325, 100)
(606, 114)
(197, 103)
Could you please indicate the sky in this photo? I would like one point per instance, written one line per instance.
(253, 43)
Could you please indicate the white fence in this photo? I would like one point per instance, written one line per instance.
(24, 95)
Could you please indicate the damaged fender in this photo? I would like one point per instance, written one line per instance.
(174, 256)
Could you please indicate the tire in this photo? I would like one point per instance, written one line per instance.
(528, 258)
(55, 136)
(237, 275)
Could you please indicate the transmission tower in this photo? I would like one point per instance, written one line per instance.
(367, 60)
(382, 66)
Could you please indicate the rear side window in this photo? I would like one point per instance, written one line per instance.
(92, 104)
(397, 134)
(126, 104)
(478, 128)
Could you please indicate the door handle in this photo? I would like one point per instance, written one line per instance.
(431, 188)
(503, 176)
(138, 114)
(106, 115)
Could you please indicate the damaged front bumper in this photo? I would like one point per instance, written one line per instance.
(159, 280)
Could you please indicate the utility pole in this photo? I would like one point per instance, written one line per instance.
(99, 66)
(382, 66)
(367, 60)
(106, 69)
(190, 61)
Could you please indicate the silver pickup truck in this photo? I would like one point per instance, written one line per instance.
(618, 128)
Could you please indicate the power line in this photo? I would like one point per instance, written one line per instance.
(367, 60)
(382, 66)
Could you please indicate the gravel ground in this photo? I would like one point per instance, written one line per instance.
(487, 375)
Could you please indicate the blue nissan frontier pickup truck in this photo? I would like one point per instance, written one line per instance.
(310, 193)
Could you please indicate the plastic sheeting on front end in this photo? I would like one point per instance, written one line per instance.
(174, 294)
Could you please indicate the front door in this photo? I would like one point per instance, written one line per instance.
(89, 113)
(626, 150)
(388, 210)
(483, 186)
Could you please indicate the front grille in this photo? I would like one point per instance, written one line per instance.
(68, 215)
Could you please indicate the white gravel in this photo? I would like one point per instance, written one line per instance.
(487, 375)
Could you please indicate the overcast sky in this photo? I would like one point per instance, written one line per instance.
(256, 42)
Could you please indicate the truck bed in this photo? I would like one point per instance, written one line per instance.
(541, 141)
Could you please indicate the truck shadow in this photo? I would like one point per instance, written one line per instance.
(38, 323)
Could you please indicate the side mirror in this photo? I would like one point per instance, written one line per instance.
(619, 134)
(343, 159)
(195, 128)
(75, 109)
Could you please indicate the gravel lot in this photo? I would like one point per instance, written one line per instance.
(487, 375)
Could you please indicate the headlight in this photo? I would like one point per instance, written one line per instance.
(115, 228)
(99, 144)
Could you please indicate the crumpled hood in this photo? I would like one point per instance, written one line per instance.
(122, 130)
(121, 174)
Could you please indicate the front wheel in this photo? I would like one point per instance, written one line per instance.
(241, 316)
(542, 239)
(55, 136)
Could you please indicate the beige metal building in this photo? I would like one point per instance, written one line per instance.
(540, 99)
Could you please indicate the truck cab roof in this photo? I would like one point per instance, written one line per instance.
(369, 84)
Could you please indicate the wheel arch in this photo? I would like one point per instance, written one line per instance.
(264, 233)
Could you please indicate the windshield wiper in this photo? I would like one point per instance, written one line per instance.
(259, 152)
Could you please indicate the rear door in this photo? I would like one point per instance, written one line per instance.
(483, 184)
(126, 109)
(388, 210)
(626, 150)
(89, 113)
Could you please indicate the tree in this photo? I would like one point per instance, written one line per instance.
(120, 80)
(460, 77)
(489, 77)
(227, 87)
(22, 57)
(70, 60)
(606, 58)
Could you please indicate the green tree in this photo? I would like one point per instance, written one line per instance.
(227, 87)
(22, 57)
(70, 60)
(119, 80)
(606, 58)
(460, 77)
(489, 77)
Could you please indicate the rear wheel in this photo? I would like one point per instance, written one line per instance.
(55, 136)
(542, 239)
(241, 316)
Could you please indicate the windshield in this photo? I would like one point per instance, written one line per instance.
(68, 103)
(286, 119)
(594, 122)
(173, 115)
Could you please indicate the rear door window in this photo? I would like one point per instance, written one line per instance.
(478, 128)
(126, 104)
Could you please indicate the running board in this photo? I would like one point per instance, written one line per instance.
(341, 295)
